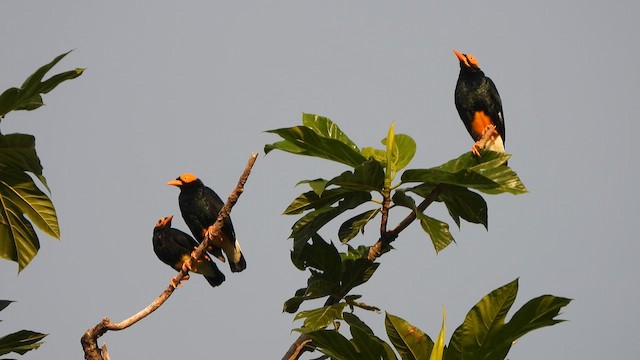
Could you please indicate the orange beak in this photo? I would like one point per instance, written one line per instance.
(460, 56)
(175, 182)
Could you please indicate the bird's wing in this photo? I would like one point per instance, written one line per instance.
(495, 99)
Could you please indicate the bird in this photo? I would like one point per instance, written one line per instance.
(173, 247)
(479, 105)
(200, 206)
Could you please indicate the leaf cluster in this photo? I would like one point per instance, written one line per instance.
(484, 334)
(376, 183)
(20, 196)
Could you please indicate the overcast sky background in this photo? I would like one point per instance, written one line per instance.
(175, 87)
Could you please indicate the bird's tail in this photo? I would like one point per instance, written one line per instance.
(231, 248)
(211, 273)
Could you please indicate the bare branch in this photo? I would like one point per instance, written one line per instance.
(89, 340)
(297, 348)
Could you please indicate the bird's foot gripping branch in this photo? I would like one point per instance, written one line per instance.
(89, 339)
(371, 184)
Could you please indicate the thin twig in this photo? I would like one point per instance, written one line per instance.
(90, 338)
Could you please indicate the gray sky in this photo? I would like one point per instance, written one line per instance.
(178, 87)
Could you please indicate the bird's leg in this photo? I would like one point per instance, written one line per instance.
(489, 134)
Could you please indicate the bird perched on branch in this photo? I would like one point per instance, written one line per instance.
(479, 105)
(200, 206)
(173, 247)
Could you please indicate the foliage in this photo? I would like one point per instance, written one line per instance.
(20, 196)
(370, 189)
(21, 341)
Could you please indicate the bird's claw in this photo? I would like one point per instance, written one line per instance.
(175, 283)
(475, 149)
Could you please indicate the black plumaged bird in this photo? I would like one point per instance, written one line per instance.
(200, 206)
(173, 247)
(479, 104)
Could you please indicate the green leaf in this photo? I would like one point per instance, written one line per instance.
(370, 346)
(327, 129)
(488, 160)
(404, 150)
(321, 318)
(392, 154)
(311, 200)
(377, 155)
(486, 173)
(401, 198)
(19, 195)
(310, 223)
(438, 231)
(355, 321)
(535, 314)
(464, 177)
(507, 179)
(28, 96)
(20, 342)
(410, 342)
(484, 334)
(319, 255)
(334, 344)
(293, 304)
(350, 228)
(18, 152)
(357, 272)
(368, 176)
(305, 141)
(438, 346)
(461, 202)
(424, 189)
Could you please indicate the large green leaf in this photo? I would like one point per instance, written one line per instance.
(350, 228)
(507, 178)
(326, 128)
(410, 342)
(20, 342)
(464, 177)
(321, 318)
(357, 272)
(487, 174)
(334, 344)
(18, 152)
(370, 346)
(488, 160)
(311, 200)
(27, 97)
(404, 150)
(462, 202)
(484, 334)
(19, 195)
(355, 321)
(306, 141)
(319, 255)
(368, 176)
(310, 223)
